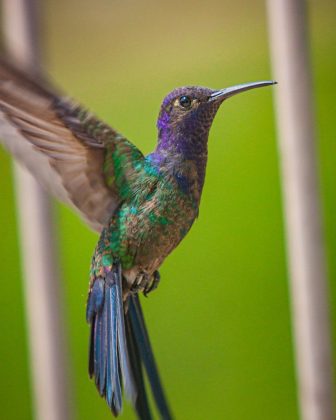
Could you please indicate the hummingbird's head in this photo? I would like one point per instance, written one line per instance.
(187, 113)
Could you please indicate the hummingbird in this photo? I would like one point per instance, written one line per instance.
(142, 207)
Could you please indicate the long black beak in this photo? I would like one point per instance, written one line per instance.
(222, 94)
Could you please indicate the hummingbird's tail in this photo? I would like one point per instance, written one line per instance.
(142, 357)
(120, 350)
(109, 363)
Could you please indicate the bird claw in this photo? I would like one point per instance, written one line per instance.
(155, 280)
(140, 282)
(144, 283)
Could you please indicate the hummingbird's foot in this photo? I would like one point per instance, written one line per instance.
(145, 283)
(153, 284)
(140, 283)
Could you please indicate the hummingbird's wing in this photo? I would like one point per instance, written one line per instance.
(74, 155)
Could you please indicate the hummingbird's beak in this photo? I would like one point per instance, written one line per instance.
(222, 94)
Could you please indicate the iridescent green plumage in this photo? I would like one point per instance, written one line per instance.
(155, 215)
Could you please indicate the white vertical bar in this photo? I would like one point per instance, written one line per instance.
(42, 288)
(295, 115)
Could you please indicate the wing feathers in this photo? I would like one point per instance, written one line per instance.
(65, 147)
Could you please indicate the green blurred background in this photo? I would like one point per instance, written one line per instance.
(220, 320)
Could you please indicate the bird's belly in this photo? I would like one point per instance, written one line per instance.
(150, 254)
(151, 246)
(152, 232)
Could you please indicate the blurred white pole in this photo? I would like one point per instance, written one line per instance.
(294, 100)
(42, 286)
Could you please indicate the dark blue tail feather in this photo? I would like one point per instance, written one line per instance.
(141, 403)
(120, 350)
(113, 383)
(103, 345)
(107, 340)
(125, 366)
(147, 357)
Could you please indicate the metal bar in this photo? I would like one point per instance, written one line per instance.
(305, 247)
(41, 280)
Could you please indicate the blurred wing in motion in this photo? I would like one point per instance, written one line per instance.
(75, 156)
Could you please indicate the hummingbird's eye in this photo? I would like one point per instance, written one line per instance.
(185, 101)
